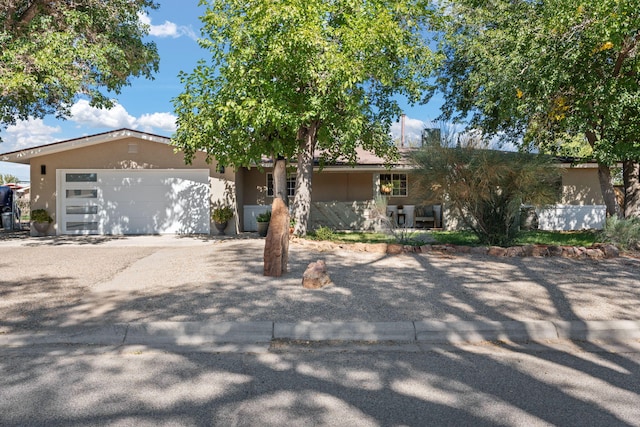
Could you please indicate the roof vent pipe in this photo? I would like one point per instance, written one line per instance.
(402, 119)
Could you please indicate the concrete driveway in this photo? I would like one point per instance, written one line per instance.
(61, 282)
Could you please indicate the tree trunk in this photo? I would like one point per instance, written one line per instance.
(280, 179)
(308, 137)
(631, 178)
(606, 185)
(608, 193)
(276, 245)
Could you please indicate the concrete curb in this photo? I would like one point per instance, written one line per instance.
(207, 334)
(345, 331)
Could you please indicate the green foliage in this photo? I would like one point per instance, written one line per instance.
(559, 238)
(54, 51)
(264, 217)
(361, 237)
(566, 145)
(277, 66)
(8, 179)
(547, 74)
(468, 238)
(324, 233)
(222, 214)
(41, 215)
(622, 232)
(462, 237)
(487, 188)
(564, 67)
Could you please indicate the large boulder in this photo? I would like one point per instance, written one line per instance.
(315, 276)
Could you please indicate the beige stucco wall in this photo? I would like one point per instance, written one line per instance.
(328, 186)
(580, 186)
(115, 155)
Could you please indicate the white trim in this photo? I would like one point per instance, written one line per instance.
(572, 217)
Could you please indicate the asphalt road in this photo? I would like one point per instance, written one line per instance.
(315, 385)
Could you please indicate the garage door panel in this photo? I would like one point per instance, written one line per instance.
(135, 202)
(152, 178)
(163, 194)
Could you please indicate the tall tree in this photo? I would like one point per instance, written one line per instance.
(53, 51)
(544, 69)
(294, 78)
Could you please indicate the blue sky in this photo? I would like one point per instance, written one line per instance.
(146, 104)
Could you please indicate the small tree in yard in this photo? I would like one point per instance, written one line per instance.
(487, 188)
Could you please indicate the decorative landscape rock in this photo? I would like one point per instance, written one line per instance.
(497, 251)
(395, 249)
(596, 252)
(610, 251)
(378, 248)
(315, 276)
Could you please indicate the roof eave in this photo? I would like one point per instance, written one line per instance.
(24, 156)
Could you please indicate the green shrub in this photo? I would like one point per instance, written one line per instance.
(624, 233)
(264, 217)
(324, 233)
(222, 214)
(486, 188)
(41, 215)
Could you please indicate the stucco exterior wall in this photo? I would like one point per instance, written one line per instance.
(116, 154)
(330, 186)
(580, 186)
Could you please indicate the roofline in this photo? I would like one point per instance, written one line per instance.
(25, 155)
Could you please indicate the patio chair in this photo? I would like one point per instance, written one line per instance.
(424, 217)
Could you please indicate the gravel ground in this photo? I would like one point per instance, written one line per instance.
(60, 282)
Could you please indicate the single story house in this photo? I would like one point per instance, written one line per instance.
(131, 182)
(124, 182)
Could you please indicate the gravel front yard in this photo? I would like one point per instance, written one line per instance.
(51, 283)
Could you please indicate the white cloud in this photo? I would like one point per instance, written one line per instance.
(412, 130)
(163, 121)
(168, 29)
(117, 117)
(26, 134)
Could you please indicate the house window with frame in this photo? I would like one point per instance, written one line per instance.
(291, 185)
(393, 184)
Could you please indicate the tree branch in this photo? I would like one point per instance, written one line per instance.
(30, 13)
(624, 53)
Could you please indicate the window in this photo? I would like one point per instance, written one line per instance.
(82, 194)
(393, 184)
(82, 226)
(82, 177)
(291, 185)
(82, 210)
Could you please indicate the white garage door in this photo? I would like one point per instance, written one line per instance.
(107, 201)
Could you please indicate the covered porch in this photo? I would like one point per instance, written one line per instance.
(346, 198)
